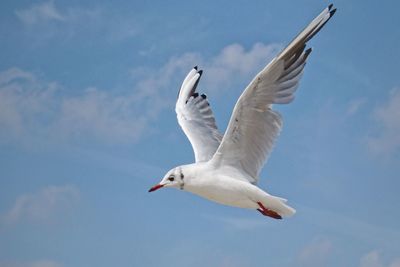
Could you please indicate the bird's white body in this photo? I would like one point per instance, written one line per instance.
(229, 186)
(227, 166)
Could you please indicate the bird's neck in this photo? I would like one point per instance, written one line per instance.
(193, 175)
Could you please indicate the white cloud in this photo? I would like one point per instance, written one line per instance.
(352, 227)
(40, 263)
(355, 105)
(234, 64)
(374, 259)
(13, 74)
(40, 12)
(43, 205)
(22, 99)
(105, 117)
(387, 141)
(33, 110)
(371, 259)
(45, 20)
(45, 263)
(316, 253)
(239, 223)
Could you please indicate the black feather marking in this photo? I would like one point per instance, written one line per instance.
(197, 82)
(306, 53)
(195, 86)
(294, 58)
(331, 12)
(195, 95)
(203, 96)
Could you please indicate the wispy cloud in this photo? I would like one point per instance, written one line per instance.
(235, 63)
(45, 11)
(354, 228)
(232, 65)
(42, 205)
(240, 223)
(22, 99)
(355, 106)
(316, 253)
(374, 259)
(13, 74)
(34, 109)
(45, 20)
(386, 141)
(40, 263)
(31, 108)
(100, 115)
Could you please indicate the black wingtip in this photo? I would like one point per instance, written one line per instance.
(195, 67)
(307, 53)
(203, 96)
(330, 6)
(200, 72)
(332, 12)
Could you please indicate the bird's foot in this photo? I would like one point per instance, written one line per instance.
(267, 212)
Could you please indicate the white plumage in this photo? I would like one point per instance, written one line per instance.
(227, 167)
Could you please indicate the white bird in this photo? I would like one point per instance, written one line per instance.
(227, 167)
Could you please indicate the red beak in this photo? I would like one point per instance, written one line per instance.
(157, 186)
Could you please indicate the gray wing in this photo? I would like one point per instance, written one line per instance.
(196, 118)
(254, 126)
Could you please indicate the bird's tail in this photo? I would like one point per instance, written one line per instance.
(278, 205)
(286, 210)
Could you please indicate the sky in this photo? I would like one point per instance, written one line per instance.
(87, 126)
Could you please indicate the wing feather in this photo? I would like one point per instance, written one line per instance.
(196, 118)
(254, 126)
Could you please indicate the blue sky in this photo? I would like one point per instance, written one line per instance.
(87, 125)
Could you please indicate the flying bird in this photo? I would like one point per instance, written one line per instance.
(227, 167)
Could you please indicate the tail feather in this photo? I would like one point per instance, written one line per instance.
(279, 205)
(282, 199)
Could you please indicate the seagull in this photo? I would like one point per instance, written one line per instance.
(227, 167)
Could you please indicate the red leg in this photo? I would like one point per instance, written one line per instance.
(267, 212)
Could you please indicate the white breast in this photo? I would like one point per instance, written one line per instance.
(226, 191)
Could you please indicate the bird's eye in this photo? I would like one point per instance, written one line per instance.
(171, 178)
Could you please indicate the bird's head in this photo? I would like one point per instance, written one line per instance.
(173, 178)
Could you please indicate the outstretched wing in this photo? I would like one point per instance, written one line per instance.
(196, 118)
(254, 126)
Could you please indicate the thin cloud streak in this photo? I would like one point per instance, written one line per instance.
(239, 223)
(31, 108)
(46, 21)
(34, 109)
(386, 141)
(355, 106)
(39, 263)
(316, 253)
(382, 236)
(42, 205)
(40, 12)
(374, 259)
